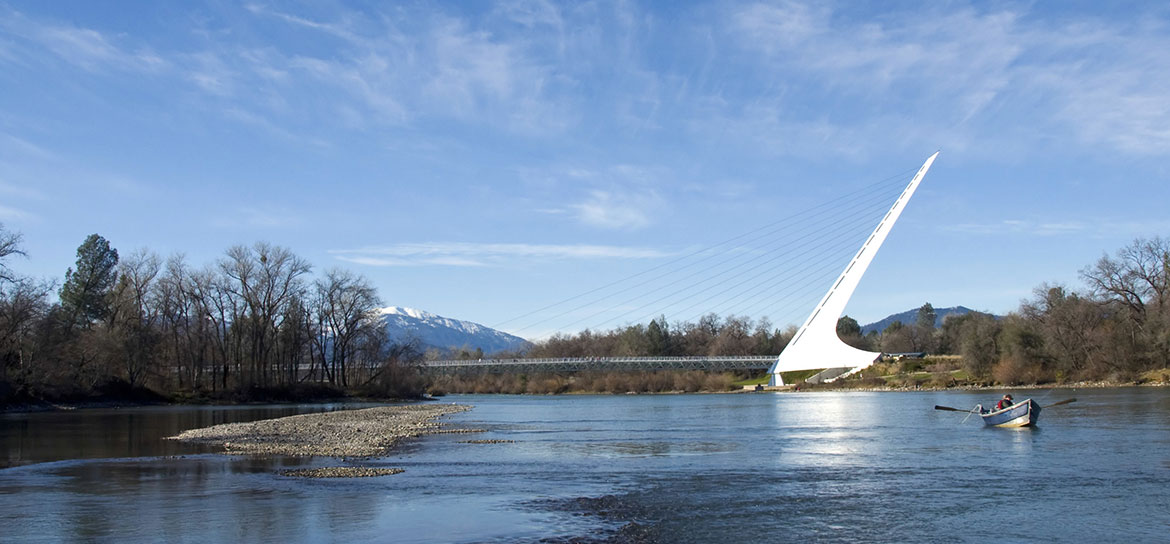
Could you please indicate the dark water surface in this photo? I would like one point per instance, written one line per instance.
(827, 467)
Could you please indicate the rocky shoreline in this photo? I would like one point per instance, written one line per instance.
(369, 432)
(830, 387)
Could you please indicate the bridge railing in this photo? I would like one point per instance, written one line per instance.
(582, 364)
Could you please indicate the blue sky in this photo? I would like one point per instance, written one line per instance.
(482, 160)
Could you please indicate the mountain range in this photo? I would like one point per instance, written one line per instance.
(446, 334)
(909, 317)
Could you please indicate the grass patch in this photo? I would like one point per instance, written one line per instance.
(1161, 375)
(961, 375)
(758, 380)
(797, 376)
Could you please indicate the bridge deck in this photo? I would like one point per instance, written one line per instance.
(602, 364)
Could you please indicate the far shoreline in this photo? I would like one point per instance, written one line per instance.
(823, 388)
(47, 406)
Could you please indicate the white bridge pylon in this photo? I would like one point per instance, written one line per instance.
(816, 345)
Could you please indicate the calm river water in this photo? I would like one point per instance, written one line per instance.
(828, 467)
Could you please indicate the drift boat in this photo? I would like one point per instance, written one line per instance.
(1021, 414)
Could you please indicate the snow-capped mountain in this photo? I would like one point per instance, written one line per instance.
(436, 331)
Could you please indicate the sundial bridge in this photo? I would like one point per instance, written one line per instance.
(815, 346)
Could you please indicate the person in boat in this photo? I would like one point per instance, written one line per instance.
(1004, 402)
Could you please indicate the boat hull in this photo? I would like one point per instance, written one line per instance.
(1022, 414)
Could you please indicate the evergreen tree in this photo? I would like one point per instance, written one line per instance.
(847, 326)
(849, 331)
(84, 295)
(926, 318)
(924, 329)
(658, 337)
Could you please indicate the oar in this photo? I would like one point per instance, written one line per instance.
(1065, 401)
(949, 409)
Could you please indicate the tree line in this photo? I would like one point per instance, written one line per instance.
(710, 335)
(255, 321)
(1116, 328)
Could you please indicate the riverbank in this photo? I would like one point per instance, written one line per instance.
(845, 387)
(368, 432)
(932, 374)
(141, 396)
(878, 378)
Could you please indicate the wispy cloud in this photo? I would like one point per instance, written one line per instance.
(951, 65)
(85, 48)
(20, 191)
(471, 254)
(211, 74)
(1124, 107)
(435, 66)
(1018, 226)
(271, 127)
(393, 67)
(258, 217)
(13, 144)
(424, 261)
(1090, 228)
(964, 77)
(531, 13)
(13, 214)
(612, 210)
(990, 75)
(615, 197)
(336, 30)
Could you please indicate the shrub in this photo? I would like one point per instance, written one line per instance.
(910, 364)
(1012, 370)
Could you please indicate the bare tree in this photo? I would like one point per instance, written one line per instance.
(345, 306)
(1069, 324)
(1138, 276)
(264, 279)
(1138, 279)
(23, 304)
(733, 338)
(184, 337)
(216, 308)
(9, 245)
(134, 315)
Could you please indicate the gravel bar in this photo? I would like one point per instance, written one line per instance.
(340, 472)
(370, 432)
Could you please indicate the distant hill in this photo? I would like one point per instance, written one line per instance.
(911, 316)
(444, 333)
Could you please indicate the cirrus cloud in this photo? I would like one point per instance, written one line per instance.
(465, 254)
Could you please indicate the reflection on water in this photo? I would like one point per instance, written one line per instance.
(830, 430)
(136, 432)
(647, 449)
(864, 467)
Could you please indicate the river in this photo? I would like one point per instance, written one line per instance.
(830, 467)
